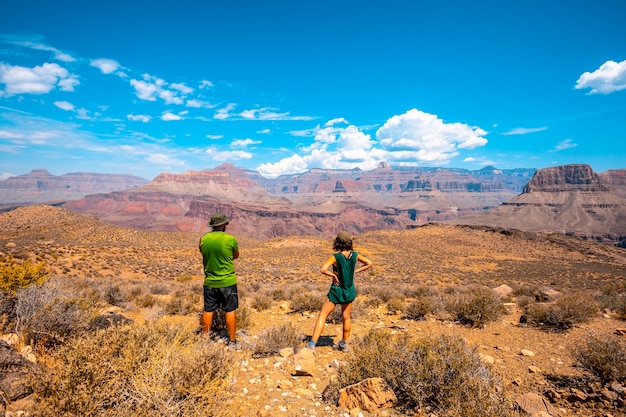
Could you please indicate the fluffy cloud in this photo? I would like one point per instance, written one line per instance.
(38, 80)
(221, 156)
(64, 105)
(525, 130)
(151, 88)
(242, 143)
(107, 66)
(563, 145)
(409, 139)
(139, 118)
(610, 77)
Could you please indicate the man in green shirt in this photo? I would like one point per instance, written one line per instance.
(219, 249)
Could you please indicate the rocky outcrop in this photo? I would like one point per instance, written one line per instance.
(40, 186)
(566, 178)
(569, 199)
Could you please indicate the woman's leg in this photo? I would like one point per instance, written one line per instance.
(326, 309)
(347, 321)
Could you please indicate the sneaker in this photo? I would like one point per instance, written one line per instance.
(342, 346)
(233, 345)
(311, 345)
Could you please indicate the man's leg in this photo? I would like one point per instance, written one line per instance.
(207, 321)
(231, 324)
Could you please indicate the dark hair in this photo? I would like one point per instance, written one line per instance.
(340, 245)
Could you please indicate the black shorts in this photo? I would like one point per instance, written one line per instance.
(225, 298)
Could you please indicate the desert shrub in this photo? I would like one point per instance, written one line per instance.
(383, 292)
(307, 301)
(243, 315)
(113, 295)
(16, 275)
(441, 374)
(271, 340)
(159, 289)
(567, 311)
(394, 305)
(262, 301)
(181, 302)
(475, 306)
(603, 356)
(612, 297)
(31, 300)
(278, 294)
(137, 371)
(145, 300)
(525, 300)
(419, 308)
(59, 321)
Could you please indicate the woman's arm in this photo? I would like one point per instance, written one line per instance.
(366, 263)
(326, 271)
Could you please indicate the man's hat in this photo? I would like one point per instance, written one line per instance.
(218, 219)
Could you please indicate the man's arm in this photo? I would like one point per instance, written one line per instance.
(236, 254)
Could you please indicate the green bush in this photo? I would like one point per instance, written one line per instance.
(475, 306)
(441, 374)
(137, 371)
(567, 311)
(604, 356)
(15, 276)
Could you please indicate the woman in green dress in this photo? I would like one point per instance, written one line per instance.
(342, 290)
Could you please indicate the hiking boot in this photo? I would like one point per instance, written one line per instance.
(233, 345)
(342, 346)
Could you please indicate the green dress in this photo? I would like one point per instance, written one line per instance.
(345, 292)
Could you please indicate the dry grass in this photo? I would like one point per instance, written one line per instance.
(433, 272)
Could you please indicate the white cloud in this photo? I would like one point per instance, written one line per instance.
(64, 105)
(409, 139)
(59, 55)
(214, 136)
(199, 104)
(6, 176)
(264, 131)
(563, 145)
(224, 113)
(269, 114)
(242, 143)
(428, 137)
(167, 116)
(106, 66)
(164, 160)
(204, 84)
(151, 88)
(38, 80)
(227, 155)
(139, 118)
(610, 77)
(525, 130)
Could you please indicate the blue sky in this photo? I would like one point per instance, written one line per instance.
(280, 87)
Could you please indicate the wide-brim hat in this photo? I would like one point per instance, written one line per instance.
(218, 219)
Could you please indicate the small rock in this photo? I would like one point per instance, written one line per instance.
(371, 394)
(286, 352)
(621, 331)
(490, 360)
(534, 370)
(528, 353)
(609, 395)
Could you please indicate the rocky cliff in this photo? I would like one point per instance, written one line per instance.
(40, 186)
(318, 202)
(569, 199)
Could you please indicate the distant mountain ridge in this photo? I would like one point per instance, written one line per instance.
(40, 186)
(316, 202)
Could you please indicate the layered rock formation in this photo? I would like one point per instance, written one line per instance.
(40, 186)
(569, 199)
(318, 202)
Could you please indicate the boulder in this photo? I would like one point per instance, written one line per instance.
(304, 362)
(371, 395)
(533, 404)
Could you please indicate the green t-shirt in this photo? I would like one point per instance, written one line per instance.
(217, 250)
